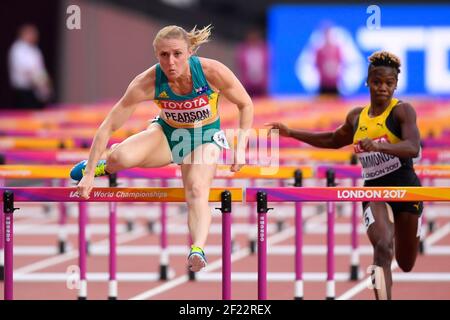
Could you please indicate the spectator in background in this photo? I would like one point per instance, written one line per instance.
(29, 79)
(328, 61)
(252, 63)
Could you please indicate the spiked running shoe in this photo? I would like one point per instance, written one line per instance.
(77, 171)
(196, 259)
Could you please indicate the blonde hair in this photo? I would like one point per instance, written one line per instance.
(193, 38)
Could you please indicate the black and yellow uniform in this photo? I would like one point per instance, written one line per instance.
(381, 169)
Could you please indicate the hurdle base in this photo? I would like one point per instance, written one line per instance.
(330, 298)
(2, 273)
(163, 272)
(47, 209)
(82, 298)
(61, 247)
(112, 298)
(298, 298)
(151, 227)
(421, 247)
(280, 226)
(431, 226)
(252, 245)
(130, 226)
(354, 273)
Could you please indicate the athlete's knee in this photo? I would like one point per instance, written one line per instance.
(113, 146)
(384, 252)
(118, 158)
(196, 190)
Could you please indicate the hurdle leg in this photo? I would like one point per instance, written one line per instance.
(298, 295)
(252, 221)
(112, 261)
(261, 198)
(280, 222)
(128, 215)
(151, 226)
(431, 221)
(354, 263)
(8, 234)
(2, 247)
(62, 232)
(9, 264)
(251, 232)
(164, 257)
(151, 220)
(47, 206)
(229, 183)
(330, 251)
(87, 233)
(112, 285)
(82, 293)
(2, 244)
(226, 245)
(431, 225)
(426, 220)
(262, 256)
(354, 258)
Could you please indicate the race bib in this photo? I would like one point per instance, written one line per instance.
(220, 139)
(186, 112)
(377, 164)
(368, 217)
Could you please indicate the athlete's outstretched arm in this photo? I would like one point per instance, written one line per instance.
(228, 84)
(140, 89)
(342, 136)
(409, 147)
(119, 114)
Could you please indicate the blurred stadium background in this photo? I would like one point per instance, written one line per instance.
(115, 42)
(91, 67)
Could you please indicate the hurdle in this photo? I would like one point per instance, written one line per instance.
(165, 173)
(58, 172)
(255, 172)
(8, 143)
(55, 155)
(111, 195)
(354, 173)
(60, 156)
(329, 194)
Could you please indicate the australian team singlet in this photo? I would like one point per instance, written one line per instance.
(198, 108)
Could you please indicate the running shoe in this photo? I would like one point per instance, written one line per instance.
(196, 259)
(77, 171)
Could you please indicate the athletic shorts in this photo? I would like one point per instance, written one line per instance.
(182, 141)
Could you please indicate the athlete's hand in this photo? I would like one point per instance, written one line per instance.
(236, 167)
(283, 130)
(238, 162)
(369, 145)
(85, 186)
